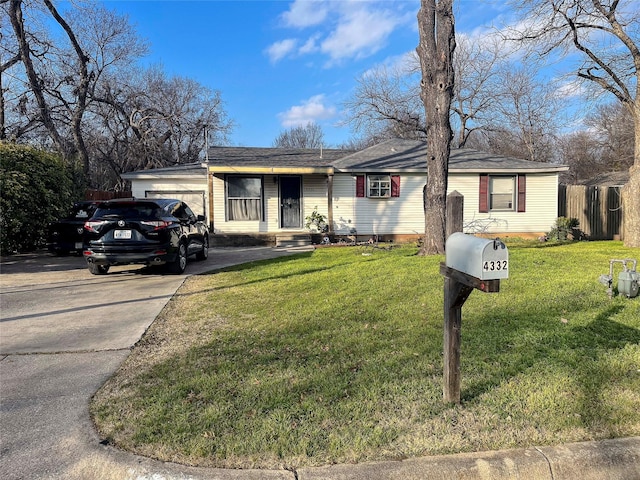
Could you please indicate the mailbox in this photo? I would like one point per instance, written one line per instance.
(478, 257)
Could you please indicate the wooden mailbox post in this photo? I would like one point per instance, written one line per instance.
(471, 263)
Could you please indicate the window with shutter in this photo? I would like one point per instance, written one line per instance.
(502, 193)
(379, 186)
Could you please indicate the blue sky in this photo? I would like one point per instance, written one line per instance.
(280, 64)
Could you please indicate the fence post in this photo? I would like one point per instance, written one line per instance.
(455, 212)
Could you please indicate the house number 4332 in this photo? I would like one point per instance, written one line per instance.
(492, 266)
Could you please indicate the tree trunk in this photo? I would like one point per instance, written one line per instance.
(435, 50)
(17, 22)
(631, 191)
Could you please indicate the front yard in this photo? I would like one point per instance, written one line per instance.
(335, 356)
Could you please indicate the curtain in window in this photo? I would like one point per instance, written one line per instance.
(244, 209)
(244, 198)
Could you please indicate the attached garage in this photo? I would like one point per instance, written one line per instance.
(194, 198)
(184, 182)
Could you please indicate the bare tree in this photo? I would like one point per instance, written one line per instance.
(308, 136)
(477, 83)
(154, 121)
(612, 128)
(583, 154)
(84, 96)
(435, 50)
(386, 104)
(524, 117)
(606, 146)
(605, 34)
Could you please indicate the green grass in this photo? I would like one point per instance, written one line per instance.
(335, 356)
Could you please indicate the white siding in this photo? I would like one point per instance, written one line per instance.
(344, 193)
(541, 206)
(313, 195)
(379, 216)
(405, 214)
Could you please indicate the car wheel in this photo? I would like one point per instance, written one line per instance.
(98, 269)
(202, 255)
(180, 263)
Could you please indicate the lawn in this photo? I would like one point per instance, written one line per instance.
(336, 356)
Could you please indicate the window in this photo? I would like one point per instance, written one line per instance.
(244, 198)
(379, 186)
(502, 193)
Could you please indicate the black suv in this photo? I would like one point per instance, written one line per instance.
(151, 232)
(65, 235)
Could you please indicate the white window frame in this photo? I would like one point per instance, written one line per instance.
(229, 199)
(504, 199)
(379, 186)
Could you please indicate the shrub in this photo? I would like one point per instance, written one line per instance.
(37, 187)
(565, 229)
(316, 221)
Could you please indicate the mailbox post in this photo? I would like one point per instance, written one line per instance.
(470, 263)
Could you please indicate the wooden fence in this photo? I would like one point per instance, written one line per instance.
(597, 208)
(104, 195)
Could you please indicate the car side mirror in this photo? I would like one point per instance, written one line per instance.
(200, 218)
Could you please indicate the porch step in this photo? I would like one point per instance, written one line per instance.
(293, 240)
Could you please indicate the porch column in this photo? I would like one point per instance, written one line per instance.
(210, 185)
(330, 201)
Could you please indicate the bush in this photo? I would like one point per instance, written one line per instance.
(316, 221)
(37, 187)
(565, 229)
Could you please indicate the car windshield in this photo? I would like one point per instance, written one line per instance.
(128, 210)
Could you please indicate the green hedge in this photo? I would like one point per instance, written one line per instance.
(36, 187)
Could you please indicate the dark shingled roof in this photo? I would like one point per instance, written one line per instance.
(410, 155)
(396, 155)
(185, 169)
(274, 157)
(610, 179)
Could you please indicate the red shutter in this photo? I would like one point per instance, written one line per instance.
(395, 185)
(360, 186)
(522, 193)
(484, 193)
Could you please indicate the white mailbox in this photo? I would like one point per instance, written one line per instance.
(479, 257)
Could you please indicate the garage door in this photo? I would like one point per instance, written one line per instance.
(193, 198)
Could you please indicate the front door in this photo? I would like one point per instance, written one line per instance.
(290, 202)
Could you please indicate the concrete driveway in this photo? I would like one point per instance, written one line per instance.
(63, 332)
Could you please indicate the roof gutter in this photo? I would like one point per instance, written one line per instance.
(271, 170)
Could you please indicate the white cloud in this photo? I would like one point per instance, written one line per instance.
(341, 30)
(404, 64)
(360, 32)
(311, 110)
(305, 13)
(573, 88)
(310, 46)
(277, 51)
